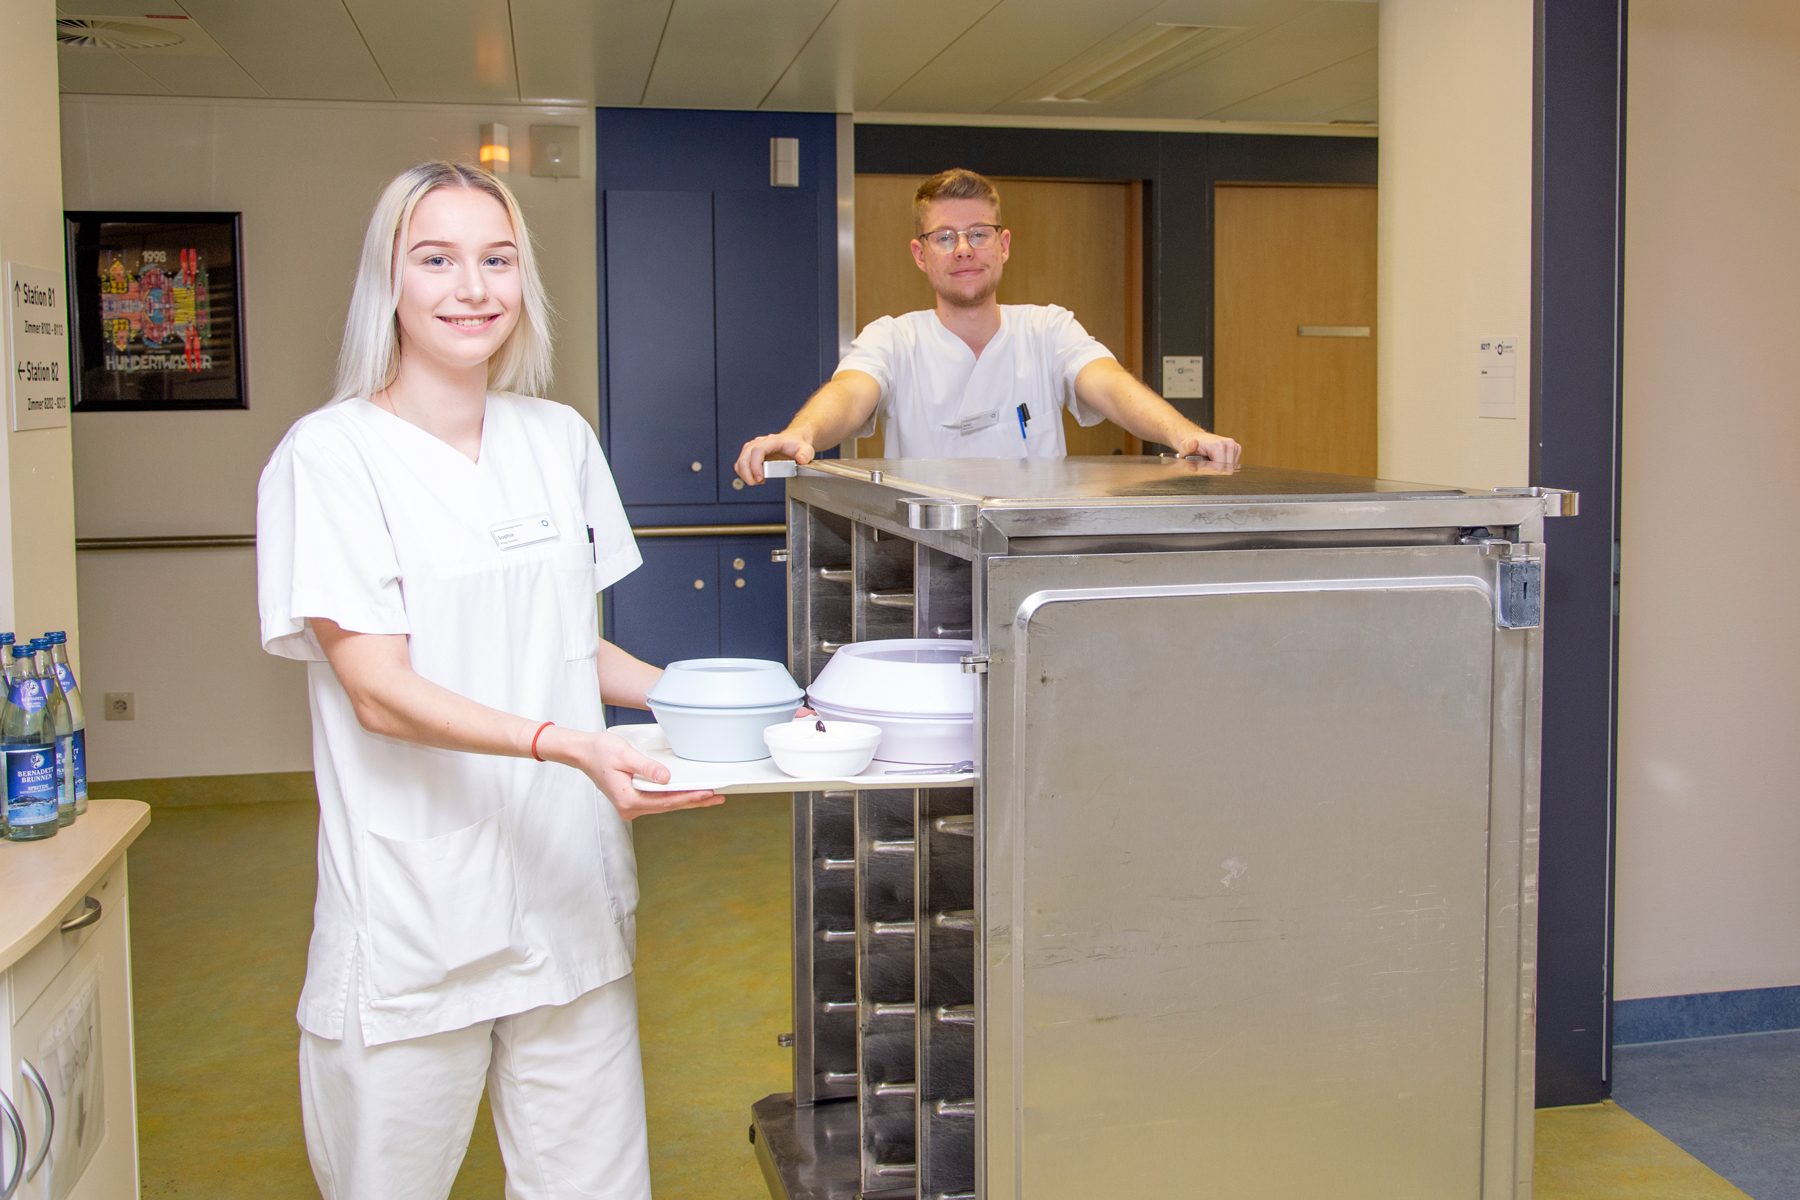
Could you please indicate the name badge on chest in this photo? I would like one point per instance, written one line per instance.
(975, 422)
(523, 531)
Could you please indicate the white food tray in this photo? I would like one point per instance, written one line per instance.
(739, 778)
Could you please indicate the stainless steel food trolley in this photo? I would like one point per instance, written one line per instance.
(1240, 901)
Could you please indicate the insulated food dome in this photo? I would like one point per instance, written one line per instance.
(913, 688)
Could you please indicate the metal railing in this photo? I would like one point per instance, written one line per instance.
(245, 541)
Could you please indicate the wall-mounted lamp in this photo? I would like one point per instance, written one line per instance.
(556, 151)
(496, 156)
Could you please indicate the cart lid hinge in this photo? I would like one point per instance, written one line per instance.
(975, 664)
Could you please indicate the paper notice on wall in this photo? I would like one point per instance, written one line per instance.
(1499, 380)
(38, 339)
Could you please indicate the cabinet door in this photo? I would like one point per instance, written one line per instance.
(766, 288)
(752, 600)
(667, 609)
(77, 1035)
(659, 336)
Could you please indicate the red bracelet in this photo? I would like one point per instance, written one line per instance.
(537, 735)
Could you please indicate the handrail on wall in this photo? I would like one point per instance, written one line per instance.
(244, 541)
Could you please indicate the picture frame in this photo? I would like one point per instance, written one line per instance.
(156, 311)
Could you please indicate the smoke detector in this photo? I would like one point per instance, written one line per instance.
(1150, 52)
(102, 33)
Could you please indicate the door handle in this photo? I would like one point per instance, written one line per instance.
(11, 1115)
(37, 1081)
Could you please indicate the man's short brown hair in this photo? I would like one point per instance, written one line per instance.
(954, 184)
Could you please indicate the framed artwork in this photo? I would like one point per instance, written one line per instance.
(156, 311)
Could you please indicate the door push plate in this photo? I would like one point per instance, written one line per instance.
(1521, 593)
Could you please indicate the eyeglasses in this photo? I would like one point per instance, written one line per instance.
(944, 241)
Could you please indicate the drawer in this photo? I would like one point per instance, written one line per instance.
(33, 973)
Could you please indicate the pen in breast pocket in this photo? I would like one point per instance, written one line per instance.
(593, 551)
(1024, 419)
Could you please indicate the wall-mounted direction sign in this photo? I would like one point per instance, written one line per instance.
(38, 346)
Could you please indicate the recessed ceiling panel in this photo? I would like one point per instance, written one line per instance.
(444, 50)
(303, 49)
(102, 72)
(729, 53)
(867, 48)
(210, 76)
(598, 50)
(1310, 97)
(1252, 65)
(1017, 42)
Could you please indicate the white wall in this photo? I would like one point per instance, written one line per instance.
(1455, 229)
(1708, 891)
(37, 556)
(179, 629)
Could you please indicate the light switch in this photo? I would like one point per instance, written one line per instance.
(784, 162)
(1499, 378)
(1184, 377)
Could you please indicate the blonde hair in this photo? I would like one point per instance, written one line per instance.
(370, 355)
(954, 184)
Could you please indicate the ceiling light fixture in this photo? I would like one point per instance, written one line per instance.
(496, 154)
(1151, 51)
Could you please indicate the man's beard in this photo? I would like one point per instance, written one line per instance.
(961, 300)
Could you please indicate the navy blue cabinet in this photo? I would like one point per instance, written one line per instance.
(719, 317)
(699, 597)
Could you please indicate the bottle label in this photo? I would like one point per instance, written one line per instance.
(78, 764)
(65, 677)
(30, 785)
(29, 694)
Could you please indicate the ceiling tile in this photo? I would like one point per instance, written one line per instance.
(867, 48)
(1014, 44)
(102, 72)
(441, 50)
(1310, 97)
(1262, 59)
(598, 50)
(308, 49)
(729, 53)
(194, 76)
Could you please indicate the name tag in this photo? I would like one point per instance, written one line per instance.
(523, 531)
(976, 422)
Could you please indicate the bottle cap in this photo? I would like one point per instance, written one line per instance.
(23, 651)
(39, 644)
(56, 637)
(7, 639)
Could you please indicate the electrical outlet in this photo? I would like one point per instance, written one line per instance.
(121, 706)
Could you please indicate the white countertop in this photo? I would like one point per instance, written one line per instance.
(41, 881)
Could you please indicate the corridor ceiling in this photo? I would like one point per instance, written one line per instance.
(1309, 61)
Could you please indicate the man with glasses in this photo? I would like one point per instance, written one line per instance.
(972, 378)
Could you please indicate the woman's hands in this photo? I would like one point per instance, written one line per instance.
(611, 762)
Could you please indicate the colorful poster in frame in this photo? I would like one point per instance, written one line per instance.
(156, 311)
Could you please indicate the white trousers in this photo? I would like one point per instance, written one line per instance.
(565, 1082)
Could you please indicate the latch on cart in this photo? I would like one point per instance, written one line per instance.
(1518, 580)
(974, 664)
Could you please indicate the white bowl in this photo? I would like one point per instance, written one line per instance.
(720, 734)
(922, 740)
(725, 683)
(843, 750)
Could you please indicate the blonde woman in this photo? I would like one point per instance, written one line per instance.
(430, 543)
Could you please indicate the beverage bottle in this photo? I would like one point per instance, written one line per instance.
(29, 749)
(57, 706)
(59, 658)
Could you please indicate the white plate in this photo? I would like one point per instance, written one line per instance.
(731, 779)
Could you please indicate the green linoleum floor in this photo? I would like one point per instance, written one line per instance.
(221, 900)
(221, 908)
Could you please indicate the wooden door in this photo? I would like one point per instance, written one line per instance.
(1294, 325)
(1078, 244)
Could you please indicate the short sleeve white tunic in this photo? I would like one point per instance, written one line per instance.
(465, 886)
(939, 401)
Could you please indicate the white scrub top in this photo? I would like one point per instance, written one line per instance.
(939, 401)
(466, 886)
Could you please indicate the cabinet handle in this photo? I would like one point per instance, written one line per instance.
(695, 467)
(18, 1131)
(37, 1081)
(89, 914)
